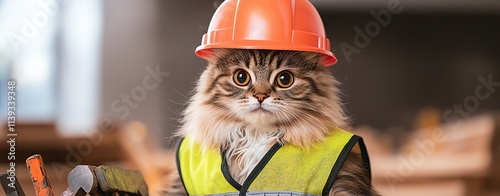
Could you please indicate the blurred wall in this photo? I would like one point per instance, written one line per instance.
(417, 60)
(141, 36)
(183, 24)
(131, 47)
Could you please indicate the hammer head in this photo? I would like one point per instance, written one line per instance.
(81, 181)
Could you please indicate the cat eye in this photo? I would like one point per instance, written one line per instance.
(284, 79)
(241, 77)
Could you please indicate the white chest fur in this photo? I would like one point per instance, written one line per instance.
(246, 149)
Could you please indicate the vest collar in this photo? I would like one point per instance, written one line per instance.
(253, 174)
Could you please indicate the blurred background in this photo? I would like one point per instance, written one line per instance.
(421, 81)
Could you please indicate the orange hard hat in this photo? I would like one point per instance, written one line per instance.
(269, 25)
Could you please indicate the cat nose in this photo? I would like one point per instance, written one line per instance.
(260, 97)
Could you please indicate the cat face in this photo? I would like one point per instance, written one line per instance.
(266, 88)
(261, 91)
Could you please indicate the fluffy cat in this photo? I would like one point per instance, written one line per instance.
(247, 100)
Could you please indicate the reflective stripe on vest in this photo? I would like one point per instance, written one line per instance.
(265, 193)
(284, 170)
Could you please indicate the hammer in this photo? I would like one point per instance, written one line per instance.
(104, 180)
(81, 181)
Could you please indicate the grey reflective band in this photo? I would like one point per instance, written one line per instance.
(266, 193)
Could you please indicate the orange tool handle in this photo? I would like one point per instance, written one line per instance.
(39, 177)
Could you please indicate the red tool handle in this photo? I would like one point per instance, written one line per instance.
(39, 177)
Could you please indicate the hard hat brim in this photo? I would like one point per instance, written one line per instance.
(205, 51)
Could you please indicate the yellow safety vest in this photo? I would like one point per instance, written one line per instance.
(284, 170)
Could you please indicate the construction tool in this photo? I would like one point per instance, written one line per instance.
(112, 179)
(38, 175)
(16, 190)
(104, 180)
(81, 181)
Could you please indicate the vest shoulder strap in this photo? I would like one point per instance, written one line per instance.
(353, 142)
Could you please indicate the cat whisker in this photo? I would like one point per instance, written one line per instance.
(175, 90)
(286, 117)
(315, 119)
